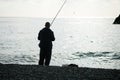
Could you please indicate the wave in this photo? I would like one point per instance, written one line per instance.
(110, 55)
(18, 59)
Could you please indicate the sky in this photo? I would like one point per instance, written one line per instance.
(49, 8)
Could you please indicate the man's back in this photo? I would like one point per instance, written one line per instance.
(46, 36)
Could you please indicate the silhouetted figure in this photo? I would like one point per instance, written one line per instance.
(117, 20)
(46, 36)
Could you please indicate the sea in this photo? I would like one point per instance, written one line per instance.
(87, 42)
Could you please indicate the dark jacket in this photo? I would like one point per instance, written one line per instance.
(46, 36)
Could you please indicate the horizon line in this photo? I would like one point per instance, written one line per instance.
(50, 17)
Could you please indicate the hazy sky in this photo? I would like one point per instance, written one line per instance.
(48, 8)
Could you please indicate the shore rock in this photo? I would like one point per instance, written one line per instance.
(117, 20)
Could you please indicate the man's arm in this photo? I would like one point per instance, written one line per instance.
(39, 36)
(53, 37)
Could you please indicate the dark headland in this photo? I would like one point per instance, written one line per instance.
(117, 20)
(36, 72)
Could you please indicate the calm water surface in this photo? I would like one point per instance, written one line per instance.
(88, 42)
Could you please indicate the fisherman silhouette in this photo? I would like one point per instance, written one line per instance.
(46, 36)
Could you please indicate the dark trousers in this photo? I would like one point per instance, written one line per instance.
(45, 56)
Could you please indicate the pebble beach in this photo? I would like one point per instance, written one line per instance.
(36, 72)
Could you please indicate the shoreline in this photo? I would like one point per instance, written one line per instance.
(36, 72)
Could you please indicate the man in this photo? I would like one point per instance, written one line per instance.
(46, 36)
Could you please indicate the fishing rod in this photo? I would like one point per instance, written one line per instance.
(58, 12)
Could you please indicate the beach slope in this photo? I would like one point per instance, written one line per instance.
(36, 72)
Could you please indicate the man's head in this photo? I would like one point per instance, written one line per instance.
(47, 25)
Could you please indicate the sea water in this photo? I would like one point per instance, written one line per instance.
(87, 42)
